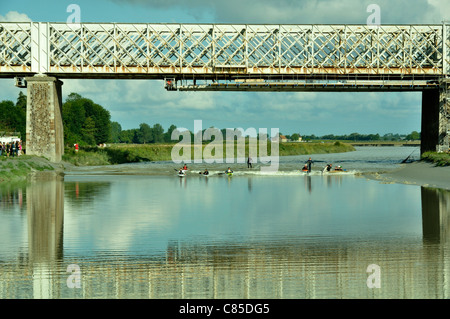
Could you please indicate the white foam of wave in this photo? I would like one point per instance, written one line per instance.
(277, 173)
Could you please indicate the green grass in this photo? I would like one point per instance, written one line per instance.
(440, 159)
(132, 153)
(287, 149)
(18, 168)
(86, 158)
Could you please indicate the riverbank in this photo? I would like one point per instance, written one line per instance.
(20, 168)
(133, 153)
(419, 173)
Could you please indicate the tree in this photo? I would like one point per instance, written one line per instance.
(74, 116)
(126, 136)
(295, 137)
(168, 134)
(22, 102)
(78, 129)
(414, 136)
(102, 120)
(88, 131)
(144, 135)
(158, 133)
(116, 129)
(13, 117)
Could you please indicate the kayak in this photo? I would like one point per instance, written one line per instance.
(230, 174)
(181, 175)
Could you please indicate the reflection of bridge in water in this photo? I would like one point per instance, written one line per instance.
(211, 57)
(287, 268)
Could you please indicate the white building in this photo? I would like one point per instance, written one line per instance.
(9, 139)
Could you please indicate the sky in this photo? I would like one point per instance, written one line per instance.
(132, 102)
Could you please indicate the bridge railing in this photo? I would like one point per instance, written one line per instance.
(110, 49)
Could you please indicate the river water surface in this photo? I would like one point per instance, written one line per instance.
(282, 235)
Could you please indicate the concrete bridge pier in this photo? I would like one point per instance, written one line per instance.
(435, 136)
(45, 136)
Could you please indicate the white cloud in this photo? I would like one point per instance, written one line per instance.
(305, 11)
(441, 10)
(14, 16)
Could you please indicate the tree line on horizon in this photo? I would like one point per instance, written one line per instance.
(88, 123)
(413, 136)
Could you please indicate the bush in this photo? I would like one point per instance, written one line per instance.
(440, 159)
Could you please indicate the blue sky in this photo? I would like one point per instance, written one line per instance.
(132, 102)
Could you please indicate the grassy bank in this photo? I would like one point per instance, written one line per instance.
(440, 159)
(287, 149)
(132, 153)
(18, 168)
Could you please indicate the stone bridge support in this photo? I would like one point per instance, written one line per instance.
(436, 119)
(45, 136)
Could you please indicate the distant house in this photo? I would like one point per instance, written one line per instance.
(279, 138)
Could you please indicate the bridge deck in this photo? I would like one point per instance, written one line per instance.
(219, 51)
(336, 86)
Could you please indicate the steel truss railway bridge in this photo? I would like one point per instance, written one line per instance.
(227, 57)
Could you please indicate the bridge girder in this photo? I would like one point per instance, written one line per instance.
(157, 51)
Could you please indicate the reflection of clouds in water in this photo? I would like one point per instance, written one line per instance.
(132, 207)
(141, 213)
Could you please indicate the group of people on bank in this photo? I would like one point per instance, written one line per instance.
(11, 149)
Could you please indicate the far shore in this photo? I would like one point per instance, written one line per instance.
(419, 173)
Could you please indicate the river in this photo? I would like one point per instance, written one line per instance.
(281, 235)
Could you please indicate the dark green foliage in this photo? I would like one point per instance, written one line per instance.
(146, 134)
(365, 137)
(168, 134)
(116, 130)
(85, 122)
(440, 159)
(13, 117)
(158, 133)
